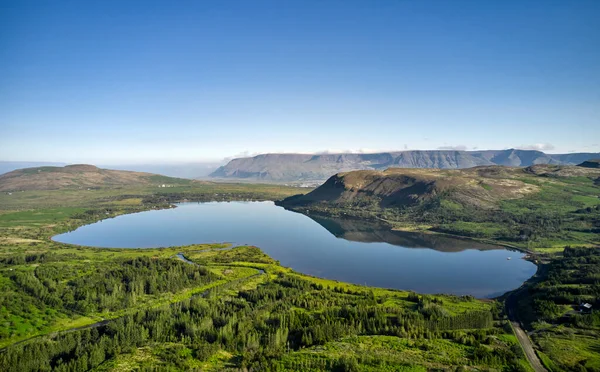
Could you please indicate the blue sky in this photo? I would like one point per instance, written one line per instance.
(167, 81)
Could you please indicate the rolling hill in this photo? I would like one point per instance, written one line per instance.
(592, 163)
(9, 166)
(397, 187)
(80, 176)
(536, 203)
(305, 167)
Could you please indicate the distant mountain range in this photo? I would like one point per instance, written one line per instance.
(306, 167)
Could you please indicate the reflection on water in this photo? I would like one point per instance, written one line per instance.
(341, 249)
(370, 232)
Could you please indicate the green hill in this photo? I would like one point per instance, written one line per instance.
(537, 206)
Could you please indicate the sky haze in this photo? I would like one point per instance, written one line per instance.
(114, 82)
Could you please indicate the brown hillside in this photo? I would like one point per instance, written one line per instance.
(79, 176)
(482, 187)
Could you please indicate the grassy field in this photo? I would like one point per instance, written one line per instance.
(563, 212)
(399, 354)
(566, 350)
(568, 339)
(234, 308)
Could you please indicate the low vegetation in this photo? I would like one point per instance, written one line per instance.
(539, 208)
(567, 333)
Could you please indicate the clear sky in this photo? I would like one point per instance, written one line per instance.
(139, 81)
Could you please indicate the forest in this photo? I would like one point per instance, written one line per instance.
(264, 327)
(107, 287)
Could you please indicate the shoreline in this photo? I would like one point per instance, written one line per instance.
(397, 226)
(230, 245)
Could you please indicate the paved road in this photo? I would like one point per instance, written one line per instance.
(524, 340)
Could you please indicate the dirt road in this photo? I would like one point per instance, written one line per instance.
(511, 309)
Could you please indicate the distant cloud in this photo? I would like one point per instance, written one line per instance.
(248, 154)
(243, 154)
(405, 146)
(327, 152)
(454, 148)
(339, 151)
(537, 147)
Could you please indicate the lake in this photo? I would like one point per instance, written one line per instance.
(341, 249)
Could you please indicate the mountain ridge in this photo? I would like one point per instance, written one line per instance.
(319, 167)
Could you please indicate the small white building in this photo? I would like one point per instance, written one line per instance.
(585, 307)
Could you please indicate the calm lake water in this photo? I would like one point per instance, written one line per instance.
(341, 249)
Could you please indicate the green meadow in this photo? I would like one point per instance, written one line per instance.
(228, 309)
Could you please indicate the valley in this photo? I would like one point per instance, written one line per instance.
(147, 308)
(300, 186)
(225, 308)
